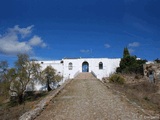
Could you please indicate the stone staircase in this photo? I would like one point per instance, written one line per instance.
(85, 75)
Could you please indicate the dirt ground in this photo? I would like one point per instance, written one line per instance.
(140, 91)
(12, 111)
(90, 100)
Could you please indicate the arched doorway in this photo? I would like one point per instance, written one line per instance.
(85, 67)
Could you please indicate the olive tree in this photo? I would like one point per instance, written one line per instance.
(4, 84)
(23, 74)
(49, 76)
(3, 69)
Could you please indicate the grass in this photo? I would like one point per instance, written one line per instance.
(12, 110)
(140, 91)
(116, 78)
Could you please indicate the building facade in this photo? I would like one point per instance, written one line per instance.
(69, 68)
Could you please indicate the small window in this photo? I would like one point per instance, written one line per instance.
(100, 65)
(70, 66)
(41, 62)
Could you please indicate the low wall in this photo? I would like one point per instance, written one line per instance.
(32, 114)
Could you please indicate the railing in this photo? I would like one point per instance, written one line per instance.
(76, 73)
(94, 74)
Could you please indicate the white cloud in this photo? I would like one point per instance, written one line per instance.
(107, 46)
(9, 44)
(85, 51)
(43, 45)
(37, 41)
(12, 42)
(22, 31)
(131, 50)
(134, 44)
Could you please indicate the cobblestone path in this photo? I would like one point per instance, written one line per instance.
(89, 100)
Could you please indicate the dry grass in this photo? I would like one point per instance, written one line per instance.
(139, 90)
(12, 111)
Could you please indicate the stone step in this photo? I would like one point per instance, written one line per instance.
(85, 75)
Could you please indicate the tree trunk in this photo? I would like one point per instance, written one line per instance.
(48, 87)
(20, 98)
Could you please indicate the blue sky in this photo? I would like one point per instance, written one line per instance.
(54, 29)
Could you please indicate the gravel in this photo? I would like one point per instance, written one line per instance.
(90, 100)
(37, 109)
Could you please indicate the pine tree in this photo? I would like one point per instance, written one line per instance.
(126, 52)
(130, 64)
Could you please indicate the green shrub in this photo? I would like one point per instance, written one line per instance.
(130, 64)
(146, 98)
(116, 78)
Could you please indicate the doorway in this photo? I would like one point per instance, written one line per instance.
(85, 67)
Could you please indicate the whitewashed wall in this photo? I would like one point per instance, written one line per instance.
(109, 66)
(61, 66)
(56, 64)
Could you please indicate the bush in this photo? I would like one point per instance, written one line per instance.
(130, 64)
(116, 78)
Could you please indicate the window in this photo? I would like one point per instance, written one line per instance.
(41, 62)
(70, 66)
(100, 65)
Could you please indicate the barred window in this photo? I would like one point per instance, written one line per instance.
(70, 66)
(100, 65)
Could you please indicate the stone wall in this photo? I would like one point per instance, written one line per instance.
(152, 71)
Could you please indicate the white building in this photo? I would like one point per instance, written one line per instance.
(69, 68)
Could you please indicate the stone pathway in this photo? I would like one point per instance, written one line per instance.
(89, 100)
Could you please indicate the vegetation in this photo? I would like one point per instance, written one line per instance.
(49, 76)
(157, 60)
(140, 91)
(4, 94)
(116, 78)
(23, 74)
(135, 87)
(13, 110)
(16, 82)
(126, 52)
(22, 77)
(130, 64)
